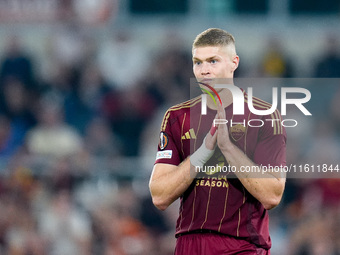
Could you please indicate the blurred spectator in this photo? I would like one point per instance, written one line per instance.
(335, 112)
(315, 234)
(16, 63)
(62, 175)
(128, 112)
(275, 62)
(329, 64)
(52, 136)
(61, 84)
(122, 60)
(84, 102)
(16, 104)
(70, 46)
(8, 142)
(324, 136)
(99, 140)
(66, 229)
(171, 69)
(17, 108)
(22, 237)
(152, 218)
(120, 232)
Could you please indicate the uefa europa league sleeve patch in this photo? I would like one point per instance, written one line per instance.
(163, 140)
(164, 154)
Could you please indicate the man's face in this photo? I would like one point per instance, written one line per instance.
(213, 62)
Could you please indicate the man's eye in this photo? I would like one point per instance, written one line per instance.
(197, 63)
(213, 61)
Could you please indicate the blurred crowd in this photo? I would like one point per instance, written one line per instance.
(76, 142)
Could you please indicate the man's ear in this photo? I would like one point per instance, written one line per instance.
(236, 61)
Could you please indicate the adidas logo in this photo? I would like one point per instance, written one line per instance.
(189, 135)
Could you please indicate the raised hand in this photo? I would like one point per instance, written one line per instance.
(222, 130)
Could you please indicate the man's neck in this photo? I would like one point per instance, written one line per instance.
(226, 97)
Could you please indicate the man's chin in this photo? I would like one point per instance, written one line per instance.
(209, 82)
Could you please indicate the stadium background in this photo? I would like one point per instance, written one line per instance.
(83, 88)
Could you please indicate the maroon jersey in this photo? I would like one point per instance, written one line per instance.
(219, 202)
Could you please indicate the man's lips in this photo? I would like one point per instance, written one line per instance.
(206, 80)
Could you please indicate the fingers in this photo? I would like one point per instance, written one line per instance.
(213, 126)
(213, 129)
(211, 138)
(222, 122)
(220, 112)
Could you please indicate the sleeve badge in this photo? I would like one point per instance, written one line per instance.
(163, 140)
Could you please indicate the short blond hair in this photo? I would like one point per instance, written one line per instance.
(213, 37)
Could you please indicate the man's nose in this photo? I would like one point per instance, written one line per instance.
(205, 70)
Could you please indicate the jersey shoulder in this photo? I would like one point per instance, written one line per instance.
(178, 110)
(185, 105)
(272, 122)
(260, 104)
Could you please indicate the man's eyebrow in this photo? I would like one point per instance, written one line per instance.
(213, 57)
(210, 58)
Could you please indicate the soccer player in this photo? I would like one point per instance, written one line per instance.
(220, 213)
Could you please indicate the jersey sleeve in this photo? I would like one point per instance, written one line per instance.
(167, 150)
(271, 146)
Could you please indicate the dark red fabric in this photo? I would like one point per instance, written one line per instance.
(215, 244)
